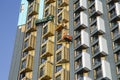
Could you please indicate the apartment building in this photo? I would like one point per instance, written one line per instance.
(67, 40)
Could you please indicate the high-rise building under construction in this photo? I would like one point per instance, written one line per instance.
(67, 40)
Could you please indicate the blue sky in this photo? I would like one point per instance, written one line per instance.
(9, 10)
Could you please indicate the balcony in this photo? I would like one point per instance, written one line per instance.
(47, 49)
(33, 8)
(49, 1)
(102, 48)
(62, 55)
(63, 36)
(80, 5)
(63, 16)
(27, 64)
(83, 42)
(99, 27)
(64, 74)
(63, 3)
(96, 8)
(50, 10)
(117, 11)
(46, 71)
(30, 26)
(84, 64)
(105, 72)
(48, 29)
(82, 22)
(29, 43)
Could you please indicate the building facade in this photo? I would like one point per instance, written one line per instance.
(67, 40)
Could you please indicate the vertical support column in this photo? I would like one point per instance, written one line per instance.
(37, 53)
(71, 43)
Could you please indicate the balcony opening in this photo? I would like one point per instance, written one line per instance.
(58, 68)
(59, 56)
(96, 48)
(59, 46)
(44, 39)
(78, 63)
(79, 76)
(97, 60)
(45, 29)
(94, 38)
(23, 65)
(93, 27)
(98, 72)
(58, 77)
(118, 69)
(112, 13)
(116, 44)
(42, 71)
(43, 49)
(78, 52)
(43, 60)
(115, 32)
(25, 53)
(22, 75)
(26, 43)
(78, 41)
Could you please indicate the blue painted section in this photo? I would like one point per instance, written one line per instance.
(23, 13)
(41, 7)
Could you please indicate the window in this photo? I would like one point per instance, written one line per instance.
(111, 4)
(58, 68)
(78, 41)
(77, 21)
(118, 56)
(26, 44)
(43, 49)
(59, 2)
(59, 56)
(45, 29)
(94, 38)
(78, 63)
(44, 39)
(77, 32)
(59, 35)
(98, 72)
(96, 48)
(22, 75)
(112, 13)
(76, 5)
(60, 18)
(23, 65)
(25, 53)
(27, 35)
(93, 18)
(59, 46)
(46, 12)
(116, 44)
(30, 9)
(115, 32)
(43, 60)
(118, 69)
(58, 77)
(92, 9)
(113, 23)
(78, 52)
(79, 76)
(97, 60)
(42, 70)
(28, 24)
(93, 27)
(59, 10)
